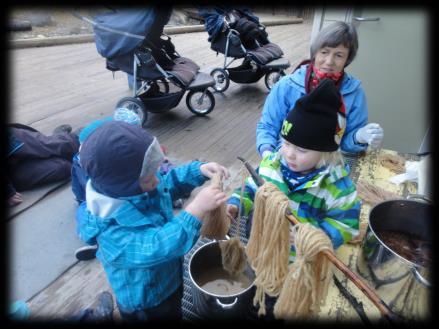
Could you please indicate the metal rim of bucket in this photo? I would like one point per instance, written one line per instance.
(205, 291)
(414, 265)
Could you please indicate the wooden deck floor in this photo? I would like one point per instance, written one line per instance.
(69, 84)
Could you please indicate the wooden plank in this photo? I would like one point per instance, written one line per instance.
(31, 93)
(76, 289)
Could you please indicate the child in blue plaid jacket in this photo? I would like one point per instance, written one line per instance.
(128, 212)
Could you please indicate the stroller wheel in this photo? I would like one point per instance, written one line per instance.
(272, 77)
(135, 105)
(200, 102)
(221, 78)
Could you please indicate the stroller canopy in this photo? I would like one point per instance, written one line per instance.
(214, 17)
(119, 31)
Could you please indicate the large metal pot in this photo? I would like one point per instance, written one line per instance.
(209, 305)
(402, 283)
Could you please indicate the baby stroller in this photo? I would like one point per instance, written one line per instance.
(237, 33)
(133, 41)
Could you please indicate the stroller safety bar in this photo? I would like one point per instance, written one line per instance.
(229, 37)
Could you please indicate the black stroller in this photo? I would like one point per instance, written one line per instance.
(133, 41)
(237, 33)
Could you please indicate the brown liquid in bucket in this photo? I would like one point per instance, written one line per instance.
(219, 282)
(409, 246)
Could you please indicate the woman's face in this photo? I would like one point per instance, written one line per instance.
(331, 59)
(300, 159)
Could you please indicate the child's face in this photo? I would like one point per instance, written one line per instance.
(300, 159)
(149, 182)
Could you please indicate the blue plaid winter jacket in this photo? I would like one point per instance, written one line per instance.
(140, 242)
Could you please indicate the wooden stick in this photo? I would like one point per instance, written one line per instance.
(378, 302)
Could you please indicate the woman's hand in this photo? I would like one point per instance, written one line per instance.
(371, 134)
(209, 198)
(211, 168)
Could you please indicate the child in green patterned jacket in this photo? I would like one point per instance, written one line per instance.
(309, 169)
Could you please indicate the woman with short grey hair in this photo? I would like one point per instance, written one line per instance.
(338, 33)
(332, 50)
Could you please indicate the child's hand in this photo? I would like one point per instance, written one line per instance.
(14, 200)
(207, 199)
(232, 211)
(211, 168)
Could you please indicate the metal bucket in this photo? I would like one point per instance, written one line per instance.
(400, 282)
(209, 305)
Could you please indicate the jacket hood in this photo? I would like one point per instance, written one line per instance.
(114, 157)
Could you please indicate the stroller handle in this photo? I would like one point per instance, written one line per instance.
(226, 23)
(234, 31)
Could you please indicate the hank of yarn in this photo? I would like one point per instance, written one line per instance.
(216, 223)
(306, 285)
(373, 194)
(395, 163)
(233, 255)
(268, 247)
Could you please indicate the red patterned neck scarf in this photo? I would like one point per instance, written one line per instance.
(314, 76)
(312, 79)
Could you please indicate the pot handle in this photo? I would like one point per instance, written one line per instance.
(420, 278)
(419, 197)
(226, 306)
(226, 237)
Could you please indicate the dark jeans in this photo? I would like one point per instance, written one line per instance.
(168, 310)
(10, 190)
(42, 159)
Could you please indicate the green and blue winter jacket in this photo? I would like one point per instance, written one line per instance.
(328, 200)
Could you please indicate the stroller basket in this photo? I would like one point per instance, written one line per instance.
(245, 73)
(161, 102)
